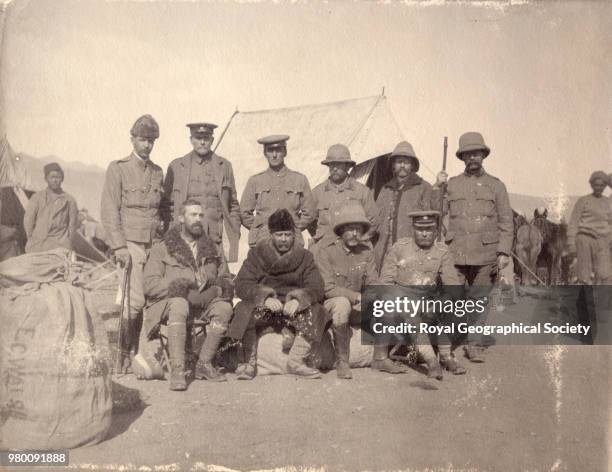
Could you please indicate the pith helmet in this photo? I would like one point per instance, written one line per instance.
(338, 153)
(472, 141)
(404, 149)
(145, 127)
(351, 212)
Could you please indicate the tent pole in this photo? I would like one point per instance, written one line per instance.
(225, 129)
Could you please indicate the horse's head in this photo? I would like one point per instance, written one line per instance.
(540, 212)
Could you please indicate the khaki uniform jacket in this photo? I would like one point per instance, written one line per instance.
(329, 198)
(591, 216)
(346, 272)
(269, 191)
(175, 193)
(407, 264)
(480, 224)
(130, 201)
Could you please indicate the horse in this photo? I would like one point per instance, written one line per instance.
(528, 245)
(554, 245)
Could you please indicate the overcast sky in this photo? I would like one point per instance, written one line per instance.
(533, 78)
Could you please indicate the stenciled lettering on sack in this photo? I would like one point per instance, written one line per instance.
(16, 372)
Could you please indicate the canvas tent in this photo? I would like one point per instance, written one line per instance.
(365, 125)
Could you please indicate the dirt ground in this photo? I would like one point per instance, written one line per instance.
(535, 408)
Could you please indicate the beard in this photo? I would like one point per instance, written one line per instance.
(196, 229)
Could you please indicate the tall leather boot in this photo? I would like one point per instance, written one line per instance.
(204, 368)
(342, 338)
(297, 354)
(247, 370)
(382, 363)
(177, 334)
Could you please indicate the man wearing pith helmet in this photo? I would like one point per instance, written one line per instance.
(404, 193)
(480, 228)
(208, 178)
(275, 188)
(130, 214)
(335, 192)
(347, 266)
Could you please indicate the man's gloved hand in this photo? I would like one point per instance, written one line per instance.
(291, 307)
(273, 304)
(441, 178)
(202, 299)
(356, 302)
(122, 257)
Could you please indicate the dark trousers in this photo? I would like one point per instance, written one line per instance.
(477, 282)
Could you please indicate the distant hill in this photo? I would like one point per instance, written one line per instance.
(84, 182)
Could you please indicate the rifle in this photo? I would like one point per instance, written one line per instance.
(442, 191)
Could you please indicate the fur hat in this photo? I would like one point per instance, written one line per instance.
(281, 220)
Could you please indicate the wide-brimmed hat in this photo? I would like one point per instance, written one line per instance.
(404, 149)
(338, 153)
(350, 213)
(472, 141)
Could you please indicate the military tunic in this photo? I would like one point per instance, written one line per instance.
(330, 197)
(480, 223)
(269, 191)
(209, 180)
(130, 214)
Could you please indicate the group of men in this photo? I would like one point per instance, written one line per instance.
(167, 235)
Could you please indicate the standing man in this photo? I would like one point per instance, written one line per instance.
(480, 230)
(347, 266)
(130, 214)
(334, 193)
(404, 193)
(51, 217)
(186, 275)
(279, 285)
(208, 178)
(276, 188)
(420, 261)
(588, 234)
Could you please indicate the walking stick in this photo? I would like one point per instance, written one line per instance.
(120, 340)
(442, 190)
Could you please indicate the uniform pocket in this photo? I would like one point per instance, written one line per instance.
(263, 199)
(456, 206)
(490, 237)
(292, 199)
(485, 199)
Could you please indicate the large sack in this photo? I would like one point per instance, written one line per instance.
(38, 267)
(55, 385)
(272, 360)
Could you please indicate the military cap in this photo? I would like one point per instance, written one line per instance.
(145, 127)
(425, 218)
(598, 175)
(201, 129)
(273, 139)
(52, 167)
(338, 153)
(472, 141)
(281, 220)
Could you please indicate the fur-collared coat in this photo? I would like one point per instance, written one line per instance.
(171, 269)
(292, 275)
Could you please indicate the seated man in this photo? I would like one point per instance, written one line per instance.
(347, 265)
(420, 261)
(280, 286)
(186, 276)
